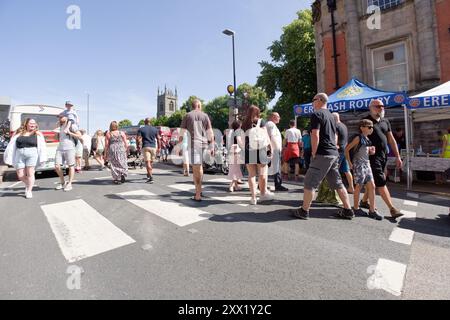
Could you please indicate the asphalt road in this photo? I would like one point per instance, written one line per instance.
(139, 241)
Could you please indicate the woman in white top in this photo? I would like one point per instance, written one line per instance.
(26, 150)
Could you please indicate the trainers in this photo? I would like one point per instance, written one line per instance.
(68, 187)
(150, 180)
(28, 195)
(300, 213)
(281, 189)
(268, 196)
(395, 213)
(364, 204)
(122, 179)
(59, 186)
(253, 201)
(346, 214)
(359, 212)
(375, 215)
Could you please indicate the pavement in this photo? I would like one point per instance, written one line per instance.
(139, 241)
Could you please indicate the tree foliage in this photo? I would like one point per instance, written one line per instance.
(292, 71)
(187, 105)
(125, 123)
(218, 112)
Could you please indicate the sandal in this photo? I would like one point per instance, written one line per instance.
(193, 199)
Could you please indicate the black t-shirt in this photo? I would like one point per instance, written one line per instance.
(324, 121)
(149, 136)
(342, 132)
(379, 136)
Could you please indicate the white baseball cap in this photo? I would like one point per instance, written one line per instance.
(69, 103)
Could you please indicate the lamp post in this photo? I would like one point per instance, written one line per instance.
(231, 33)
(88, 113)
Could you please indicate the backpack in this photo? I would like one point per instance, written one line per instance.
(258, 138)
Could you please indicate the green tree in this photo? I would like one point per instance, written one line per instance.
(175, 119)
(218, 112)
(187, 105)
(254, 95)
(141, 123)
(292, 71)
(161, 121)
(125, 123)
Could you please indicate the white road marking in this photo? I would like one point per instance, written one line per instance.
(81, 231)
(232, 199)
(103, 178)
(222, 180)
(412, 195)
(173, 212)
(388, 276)
(408, 214)
(403, 236)
(411, 203)
(183, 187)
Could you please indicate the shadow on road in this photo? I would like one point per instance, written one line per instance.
(440, 226)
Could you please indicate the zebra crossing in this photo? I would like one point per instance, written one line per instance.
(82, 232)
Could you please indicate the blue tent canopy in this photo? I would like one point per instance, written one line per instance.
(355, 95)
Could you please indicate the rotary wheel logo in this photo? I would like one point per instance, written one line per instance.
(399, 99)
(298, 110)
(414, 103)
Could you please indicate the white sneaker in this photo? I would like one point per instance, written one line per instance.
(68, 187)
(59, 186)
(268, 196)
(253, 202)
(29, 195)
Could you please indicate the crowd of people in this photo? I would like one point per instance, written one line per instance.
(323, 151)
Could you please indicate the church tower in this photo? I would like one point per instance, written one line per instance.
(167, 102)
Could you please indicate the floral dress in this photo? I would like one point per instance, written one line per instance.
(117, 157)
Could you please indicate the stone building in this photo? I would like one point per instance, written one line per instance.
(409, 50)
(167, 102)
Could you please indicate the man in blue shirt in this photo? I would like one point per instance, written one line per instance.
(148, 137)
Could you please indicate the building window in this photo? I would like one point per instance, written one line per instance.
(384, 4)
(161, 107)
(390, 67)
(171, 106)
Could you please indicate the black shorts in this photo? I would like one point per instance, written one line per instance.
(378, 164)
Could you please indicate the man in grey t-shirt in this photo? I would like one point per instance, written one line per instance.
(198, 125)
(65, 154)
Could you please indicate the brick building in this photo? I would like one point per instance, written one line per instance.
(408, 51)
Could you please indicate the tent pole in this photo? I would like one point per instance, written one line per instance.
(408, 147)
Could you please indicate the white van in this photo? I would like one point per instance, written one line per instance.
(47, 119)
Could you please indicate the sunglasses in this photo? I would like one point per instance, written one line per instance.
(379, 107)
(316, 99)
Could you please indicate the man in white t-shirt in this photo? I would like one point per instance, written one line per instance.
(277, 141)
(294, 145)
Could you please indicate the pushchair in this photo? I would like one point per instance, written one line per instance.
(134, 157)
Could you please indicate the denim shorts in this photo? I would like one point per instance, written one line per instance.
(26, 157)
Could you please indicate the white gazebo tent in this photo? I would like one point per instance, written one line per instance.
(430, 105)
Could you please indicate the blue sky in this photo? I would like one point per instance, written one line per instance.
(126, 49)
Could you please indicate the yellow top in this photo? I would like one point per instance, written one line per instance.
(446, 151)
